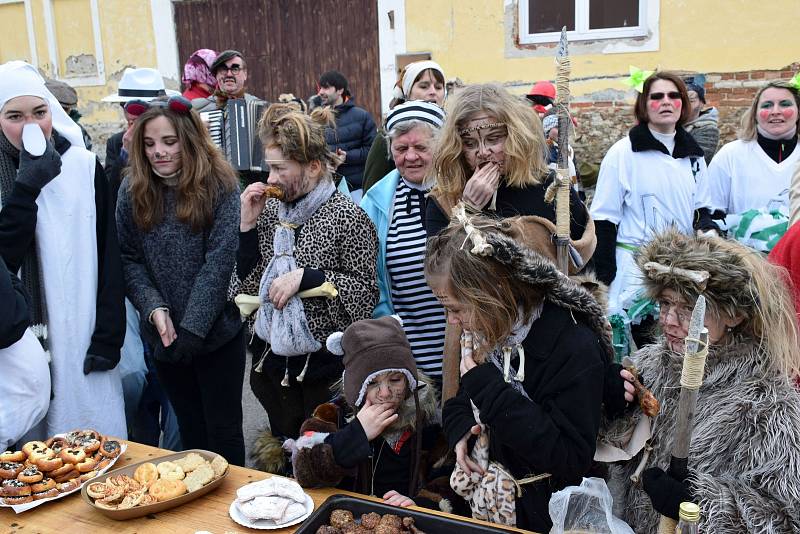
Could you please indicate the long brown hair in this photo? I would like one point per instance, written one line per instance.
(749, 122)
(486, 286)
(204, 176)
(524, 147)
(640, 108)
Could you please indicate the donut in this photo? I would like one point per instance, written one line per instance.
(61, 471)
(49, 464)
(146, 474)
(43, 485)
(52, 492)
(14, 488)
(72, 455)
(30, 475)
(89, 445)
(66, 487)
(12, 456)
(10, 469)
(38, 454)
(33, 445)
(57, 441)
(22, 499)
(102, 464)
(110, 448)
(272, 191)
(88, 476)
(88, 464)
(69, 476)
(163, 490)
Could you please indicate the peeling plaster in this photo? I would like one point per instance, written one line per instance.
(81, 65)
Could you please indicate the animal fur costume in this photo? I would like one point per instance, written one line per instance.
(744, 458)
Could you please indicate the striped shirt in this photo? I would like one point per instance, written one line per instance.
(423, 317)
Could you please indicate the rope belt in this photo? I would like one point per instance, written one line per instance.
(521, 482)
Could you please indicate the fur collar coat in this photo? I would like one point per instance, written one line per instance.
(744, 458)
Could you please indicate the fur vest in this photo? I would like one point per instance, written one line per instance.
(744, 458)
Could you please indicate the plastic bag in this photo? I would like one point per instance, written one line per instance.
(585, 509)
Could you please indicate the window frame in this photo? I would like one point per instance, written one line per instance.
(581, 31)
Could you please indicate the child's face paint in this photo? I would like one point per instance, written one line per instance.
(663, 106)
(388, 388)
(777, 111)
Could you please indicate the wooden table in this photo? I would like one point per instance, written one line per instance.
(209, 512)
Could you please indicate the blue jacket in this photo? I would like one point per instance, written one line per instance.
(354, 133)
(378, 204)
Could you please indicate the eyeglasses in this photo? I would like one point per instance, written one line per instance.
(177, 103)
(233, 69)
(682, 314)
(672, 95)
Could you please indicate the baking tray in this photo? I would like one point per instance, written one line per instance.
(429, 523)
(139, 511)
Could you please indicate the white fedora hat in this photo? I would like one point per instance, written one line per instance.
(140, 84)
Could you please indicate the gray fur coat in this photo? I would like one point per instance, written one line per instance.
(744, 458)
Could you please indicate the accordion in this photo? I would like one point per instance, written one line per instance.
(235, 131)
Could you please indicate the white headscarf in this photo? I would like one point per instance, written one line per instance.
(18, 78)
(412, 71)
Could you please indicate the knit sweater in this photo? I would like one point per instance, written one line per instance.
(172, 266)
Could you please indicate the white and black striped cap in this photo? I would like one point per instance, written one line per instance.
(415, 110)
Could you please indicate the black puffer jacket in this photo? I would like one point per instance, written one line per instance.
(354, 133)
(553, 432)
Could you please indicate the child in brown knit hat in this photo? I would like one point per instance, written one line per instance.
(378, 451)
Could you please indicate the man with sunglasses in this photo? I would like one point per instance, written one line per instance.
(230, 70)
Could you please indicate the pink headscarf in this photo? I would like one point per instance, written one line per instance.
(198, 68)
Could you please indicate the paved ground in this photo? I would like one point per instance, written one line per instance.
(255, 418)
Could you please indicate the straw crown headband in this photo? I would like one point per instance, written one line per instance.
(480, 127)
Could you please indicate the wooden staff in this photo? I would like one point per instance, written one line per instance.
(694, 362)
(563, 178)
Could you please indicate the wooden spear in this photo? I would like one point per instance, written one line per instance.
(563, 178)
(694, 362)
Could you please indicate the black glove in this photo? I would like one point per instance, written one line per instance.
(614, 392)
(185, 347)
(666, 493)
(37, 172)
(93, 362)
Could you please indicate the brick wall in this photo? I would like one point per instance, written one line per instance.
(601, 121)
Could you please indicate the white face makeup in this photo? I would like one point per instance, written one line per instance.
(777, 111)
(483, 139)
(22, 110)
